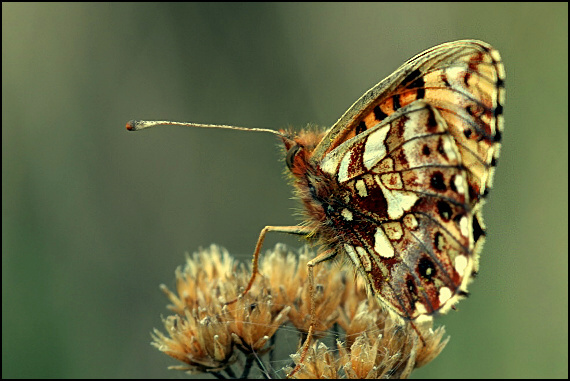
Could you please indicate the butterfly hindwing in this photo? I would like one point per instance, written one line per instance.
(403, 211)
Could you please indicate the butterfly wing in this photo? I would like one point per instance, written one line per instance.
(464, 80)
(412, 159)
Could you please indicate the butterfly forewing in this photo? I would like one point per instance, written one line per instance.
(464, 80)
(411, 160)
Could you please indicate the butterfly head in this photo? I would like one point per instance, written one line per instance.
(299, 147)
(312, 186)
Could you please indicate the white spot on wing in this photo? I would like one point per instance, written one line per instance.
(382, 244)
(448, 148)
(459, 184)
(460, 264)
(398, 202)
(331, 161)
(421, 308)
(444, 295)
(343, 168)
(361, 188)
(454, 76)
(464, 226)
(374, 149)
(347, 214)
(500, 69)
(328, 165)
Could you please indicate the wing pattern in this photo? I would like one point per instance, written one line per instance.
(412, 160)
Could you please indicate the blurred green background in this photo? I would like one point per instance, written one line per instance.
(94, 218)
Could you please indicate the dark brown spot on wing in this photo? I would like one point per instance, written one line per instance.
(379, 114)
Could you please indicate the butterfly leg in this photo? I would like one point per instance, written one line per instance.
(300, 230)
(322, 257)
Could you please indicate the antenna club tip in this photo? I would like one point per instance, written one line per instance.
(132, 125)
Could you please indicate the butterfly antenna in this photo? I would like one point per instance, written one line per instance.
(136, 125)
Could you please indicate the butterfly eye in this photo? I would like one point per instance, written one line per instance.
(291, 156)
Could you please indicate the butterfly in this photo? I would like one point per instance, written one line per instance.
(397, 184)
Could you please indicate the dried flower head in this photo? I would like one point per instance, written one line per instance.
(208, 335)
(375, 346)
(204, 344)
(287, 274)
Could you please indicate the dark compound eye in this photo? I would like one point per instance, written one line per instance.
(290, 158)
